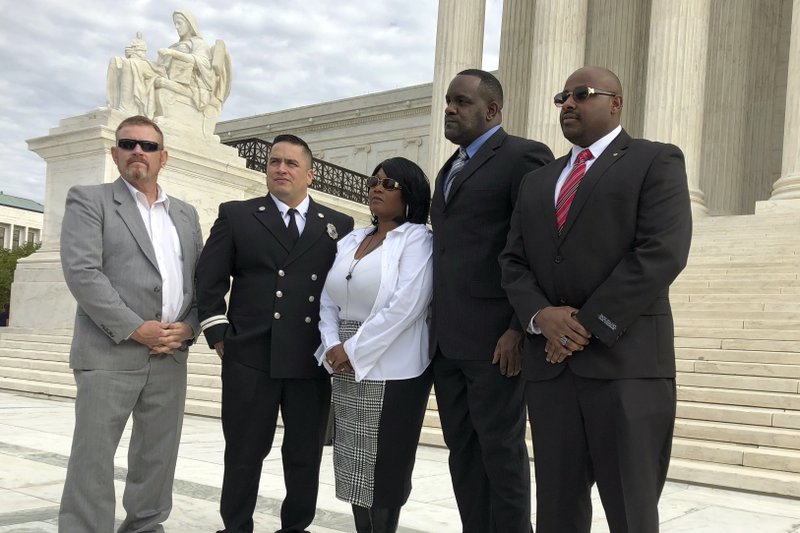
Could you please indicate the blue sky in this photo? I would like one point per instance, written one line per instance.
(54, 56)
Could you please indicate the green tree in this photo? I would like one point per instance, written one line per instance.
(8, 263)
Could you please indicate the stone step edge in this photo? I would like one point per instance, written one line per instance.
(745, 478)
(718, 452)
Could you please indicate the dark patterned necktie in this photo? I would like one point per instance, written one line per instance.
(570, 187)
(455, 168)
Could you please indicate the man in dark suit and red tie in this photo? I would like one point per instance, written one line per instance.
(277, 249)
(596, 239)
(475, 339)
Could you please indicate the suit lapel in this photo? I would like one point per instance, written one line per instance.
(615, 151)
(271, 219)
(438, 193)
(129, 212)
(484, 153)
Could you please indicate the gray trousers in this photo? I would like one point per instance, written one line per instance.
(155, 395)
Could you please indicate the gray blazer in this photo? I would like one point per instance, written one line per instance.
(110, 267)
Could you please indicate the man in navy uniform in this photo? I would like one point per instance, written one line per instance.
(277, 249)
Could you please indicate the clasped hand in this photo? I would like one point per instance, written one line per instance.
(338, 360)
(564, 334)
(161, 338)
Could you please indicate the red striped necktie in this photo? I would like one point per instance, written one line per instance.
(570, 187)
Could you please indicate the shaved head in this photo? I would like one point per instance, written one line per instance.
(584, 122)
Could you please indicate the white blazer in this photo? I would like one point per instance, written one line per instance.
(392, 343)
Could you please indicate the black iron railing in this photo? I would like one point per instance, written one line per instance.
(328, 178)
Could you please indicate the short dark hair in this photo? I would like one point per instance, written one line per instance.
(140, 120)
(490, 84)
(297, 141)
(415, 187)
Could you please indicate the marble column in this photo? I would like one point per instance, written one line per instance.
(725, 130)
(788, 186)
(514, 71)
(676, 82)
(614, 36)
(559, 44)
(459, 46)
(762, 160)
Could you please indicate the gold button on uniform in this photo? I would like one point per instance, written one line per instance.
(277, 316)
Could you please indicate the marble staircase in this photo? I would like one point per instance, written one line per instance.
(737, 335)
(737, 332)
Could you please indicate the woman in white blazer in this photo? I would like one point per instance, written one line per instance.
(373, 324)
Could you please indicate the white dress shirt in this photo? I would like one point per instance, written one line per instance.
(392, 342)
(167, 247)
(597, 148)
(300, 216)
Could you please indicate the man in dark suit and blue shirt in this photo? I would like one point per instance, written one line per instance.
(596, 239)
(475, 340)
(278, 250)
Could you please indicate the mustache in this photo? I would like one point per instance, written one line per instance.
(570, 114)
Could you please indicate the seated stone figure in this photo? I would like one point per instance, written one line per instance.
(131, 79)
(186, 86)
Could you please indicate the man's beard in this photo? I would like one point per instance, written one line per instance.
(135, 173)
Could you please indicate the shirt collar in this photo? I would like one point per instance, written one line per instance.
(597, 148)
(302, 207)
(475, 145)
(139, 196)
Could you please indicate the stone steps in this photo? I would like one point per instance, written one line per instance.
(781, 401)
(734, 276)
(742, 323)
(738, 333)
(743, 477)
(755, 456)
(765, 370)
(736, 356)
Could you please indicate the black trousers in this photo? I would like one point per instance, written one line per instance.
(617, 433)
(250, 404)
(483, 422)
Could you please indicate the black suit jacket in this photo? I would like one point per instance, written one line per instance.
(626, 238)
(274, 299)
(470, 309)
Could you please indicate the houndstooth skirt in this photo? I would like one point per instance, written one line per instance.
(357, 417)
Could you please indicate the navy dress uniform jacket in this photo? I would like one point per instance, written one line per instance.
(271, 321)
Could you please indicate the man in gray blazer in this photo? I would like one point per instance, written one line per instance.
(128, 252)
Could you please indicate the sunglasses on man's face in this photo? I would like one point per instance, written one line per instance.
(387, 183)
(130, 144)
(579, 94)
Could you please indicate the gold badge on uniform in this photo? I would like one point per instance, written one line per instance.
(332, 233)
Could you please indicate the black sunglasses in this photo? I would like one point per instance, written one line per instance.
(387, 183)
(579, 94)
(130, 144)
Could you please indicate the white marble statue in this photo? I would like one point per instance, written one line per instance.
(187, 85)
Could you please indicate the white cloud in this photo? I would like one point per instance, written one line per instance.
(53, 57)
